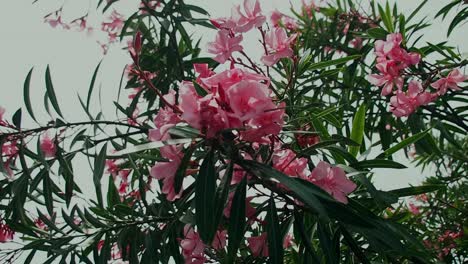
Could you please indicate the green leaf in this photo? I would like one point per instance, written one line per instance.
(199, 89)
(222, 193)
(91, 86)
(49, 200)
(410, 191)
(357, 134)
(275, 239)
(51, 92)
(377, 163)
(324, 64)
(403, 144)
(180, 173)
(205, 194)
(99, 165)
(27, 96)
(236, 226)
(113, 197)
(349, 240)
(377, 33)
(17, 117)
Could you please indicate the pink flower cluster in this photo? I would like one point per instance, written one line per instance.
(6, 234)
(47, 146)
(392, 60)
(279, 19)
(229, 36)
(193, 247)
(234, 100)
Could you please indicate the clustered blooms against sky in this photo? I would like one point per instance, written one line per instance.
(73, 59)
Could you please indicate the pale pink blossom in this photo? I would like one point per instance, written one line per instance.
(250, 18)
(47, 146)
(224, 45)
(288, 163)
(112, 167)
(192, 246)
(403, 104)
(389, 77)
(249, 99)
(259, 245)
(231, 77)
(279, 46)
(6, 234)
(287, 242)
(453, 79)
(219, 241)
(166, 171)
(332, 180)
(413, 209)
(279, 19)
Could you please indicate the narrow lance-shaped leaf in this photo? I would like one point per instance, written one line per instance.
(99, 164)
(27, 96)
(275, 239)
(51, 92)
(91, 86)
(406, 142)
(205, 193)
(357, 134)
(237, 220)
(180, 173)
(49, 200)
(222, 193)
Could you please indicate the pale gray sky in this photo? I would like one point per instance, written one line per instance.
(27, 42)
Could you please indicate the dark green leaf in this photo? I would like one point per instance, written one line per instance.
(237, 221)
(275, 239)
(377, 163)
(51, 92)
(27, 95)
(205, 194)
(99, 165)
(91, 86)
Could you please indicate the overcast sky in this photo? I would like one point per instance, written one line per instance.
(27, 42)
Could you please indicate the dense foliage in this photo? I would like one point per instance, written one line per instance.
(225, 155)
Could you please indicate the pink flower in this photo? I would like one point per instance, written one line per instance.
(259, 245)
(251, 17)
(288, 163)
(280, 46)
(219, 241)
(112, 167)
(249, 99)
(287, 243)
(413, 209)
(277, 19)
(389, 77)
(166, 171)
(224, 45)
(192, 246)
(451, 81)
(115, 23)
(356, 43)
(6, 234)
(403, 104)
(203, 70)
(332, 180)
(48, 147)
(231, 77)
